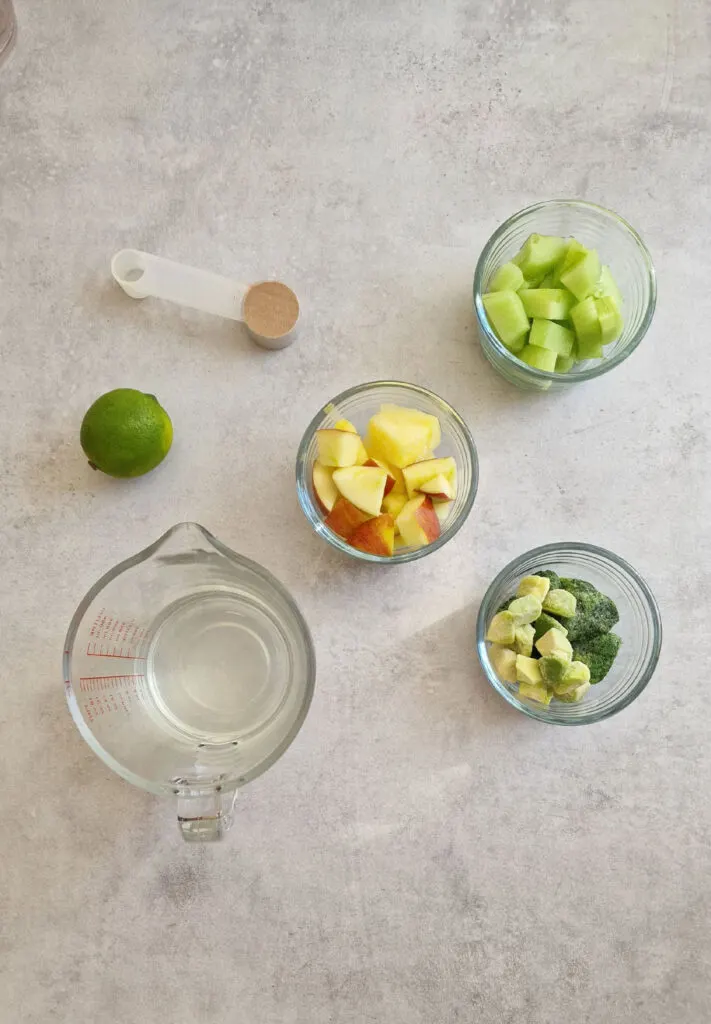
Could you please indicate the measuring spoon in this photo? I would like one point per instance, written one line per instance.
(269, 310)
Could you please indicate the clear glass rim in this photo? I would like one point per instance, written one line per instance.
(398, 558)
(551, 550)
(604, 365)
(137, 780)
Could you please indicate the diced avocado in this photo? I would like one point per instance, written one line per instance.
(554, 642)
(502, 629)
(595, 613)
(508, 278)
(536, 585)
(582, 276)
(538, 358)
(575, 695)
(553, 667)
(538, 255)
(504, 662)
(547, 303)
(598, 654)
(543, 623)
(551, 575)
(508, 318)
(608, 286)
(560, 602)
(575, 675)
(610, 318)
(539, 693)
(527, 670)
(564, 364)
(524, 640)
(551, 336)
(525, 609)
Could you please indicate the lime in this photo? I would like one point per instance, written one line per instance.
(126, 433)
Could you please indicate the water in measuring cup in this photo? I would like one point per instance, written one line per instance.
(218, 666)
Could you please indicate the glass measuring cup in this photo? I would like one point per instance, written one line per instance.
(189, 670)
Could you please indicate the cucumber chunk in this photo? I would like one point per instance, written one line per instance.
(548, 303)
(608, 314)
(539, 358)
(564, 364)
(551, 336)
(508, 318)
(583, 276)
(508, 278)
(538, 255)
(608, 286)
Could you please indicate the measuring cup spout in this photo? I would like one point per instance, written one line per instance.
(205, 815)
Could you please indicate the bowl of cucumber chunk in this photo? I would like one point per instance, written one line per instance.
(569, 633)
(564, 291)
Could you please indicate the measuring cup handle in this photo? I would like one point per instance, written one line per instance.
(204, 817)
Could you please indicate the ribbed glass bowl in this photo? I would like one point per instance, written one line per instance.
(640, 628)
(618, 245)
(358, 405)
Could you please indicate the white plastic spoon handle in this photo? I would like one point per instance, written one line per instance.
(143, 275)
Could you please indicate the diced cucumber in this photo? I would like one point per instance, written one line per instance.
(504, 662)
(508, 278)
(524, 640)
(549, 281)
(564, 364)
(538, 255)
(548, 303)
(583, 276)
(502, 629)
(539, 693)
(525, 609)
(536, 585)
(527, 670)
(551, 336)
(539, 358)
(508, 318)
(587, 329)
(608, 313)
(560, 602)
(608, 286)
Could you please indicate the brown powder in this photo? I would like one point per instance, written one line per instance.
(270, 309)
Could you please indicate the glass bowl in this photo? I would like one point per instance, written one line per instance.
(640, 628)
(618, 245)
(358, 404)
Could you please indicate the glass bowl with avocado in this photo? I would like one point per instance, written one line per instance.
(564, 291)
(569, 633)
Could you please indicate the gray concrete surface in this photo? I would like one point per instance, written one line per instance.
(422, 854)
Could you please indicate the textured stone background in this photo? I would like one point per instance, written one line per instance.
(423, 853)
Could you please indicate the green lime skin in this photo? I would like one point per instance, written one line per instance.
(126, 433)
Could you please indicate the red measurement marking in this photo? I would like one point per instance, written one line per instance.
(126, 657)
(92, 683)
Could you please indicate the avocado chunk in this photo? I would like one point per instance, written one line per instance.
(524, 640)
(504, 662)
(525, 609)
(554, 642)
(560, 602)
(544, 622)
(538, 693)
(536, 585)
(575, 695)
(598, 653)
(551, 575)
(553, 667)
(502, 629)
(575, 675)
(527, 671)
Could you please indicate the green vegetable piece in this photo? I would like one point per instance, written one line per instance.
(551, 336)
(502, 629)
(560, 602)
(595, 613)
(547, 303)
(553, 667)
(575, 675)
(549, 281)
(524, 640)
(598, 653)
(572, 249)
(575, 586)
(538, 255)
(536, 585)
(504, 662)
(508, 318)
(575, 695)
(554, 642)
(527, 670)
(539, 358)
(610, 318)
(582, 276)
(508, 278)
(564, 364)
(539, 693)
(525, 609)
(545, 622)
(608, 286)
(552, 576)
(505, 606)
